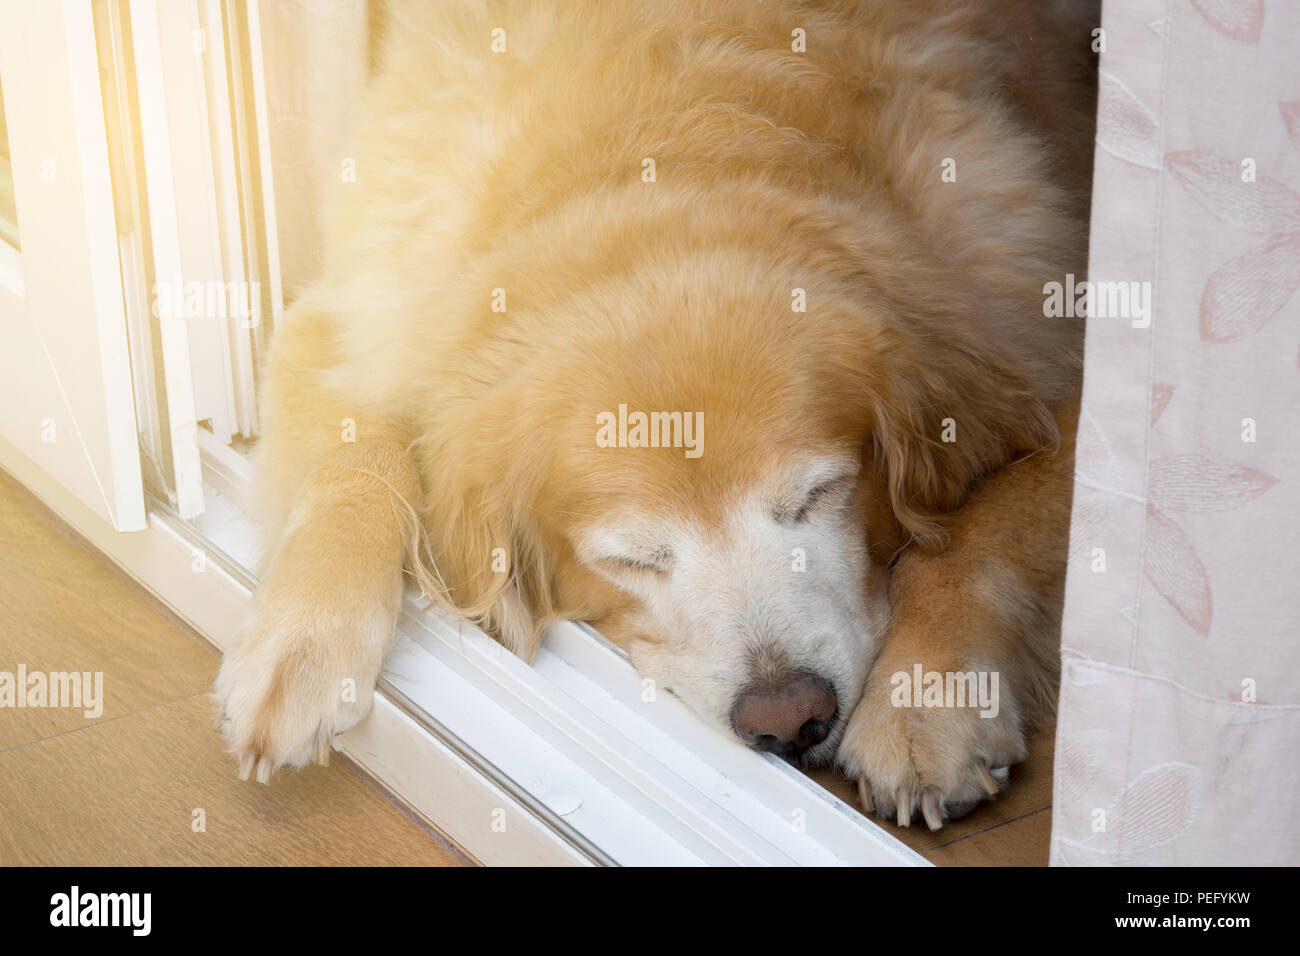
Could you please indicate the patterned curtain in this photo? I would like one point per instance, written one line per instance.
(1178, 739)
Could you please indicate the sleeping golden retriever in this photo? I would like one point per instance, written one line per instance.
(718, 324)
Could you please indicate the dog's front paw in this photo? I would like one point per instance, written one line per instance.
(939, 761)
(295, 680)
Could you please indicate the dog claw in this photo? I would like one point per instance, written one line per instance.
(990, 785)
(245, 767)
(264, 771)
(932, 810)
(864, 796)
(904, 800)
(322, 752)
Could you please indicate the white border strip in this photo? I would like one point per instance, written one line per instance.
(165, 230)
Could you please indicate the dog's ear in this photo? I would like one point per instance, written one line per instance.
(885, 534)
(942, 421)
(480, 559)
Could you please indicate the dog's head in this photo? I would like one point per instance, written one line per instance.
(718, 486)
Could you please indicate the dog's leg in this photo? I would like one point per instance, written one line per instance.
(341, 489)
(989, 604)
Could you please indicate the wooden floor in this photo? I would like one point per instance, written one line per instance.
(130, 786)
(124, 788)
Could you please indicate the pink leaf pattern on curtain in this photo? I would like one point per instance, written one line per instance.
(1088, 524)
(1196, 483)
(1175, 571)
(1235, 19)
(1249, 290)
(1157, 807)
(1291, 119)
(1160, 395)
(1125, 127)
(1264, 206)
(1079, 760)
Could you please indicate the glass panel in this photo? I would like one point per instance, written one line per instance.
(8, 217)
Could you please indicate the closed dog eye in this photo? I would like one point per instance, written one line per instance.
(658, 563)
(819, 498)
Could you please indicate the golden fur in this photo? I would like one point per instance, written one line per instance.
(774, 170)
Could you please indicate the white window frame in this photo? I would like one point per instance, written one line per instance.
(65, 376)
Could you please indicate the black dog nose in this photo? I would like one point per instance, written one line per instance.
(785, 718)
